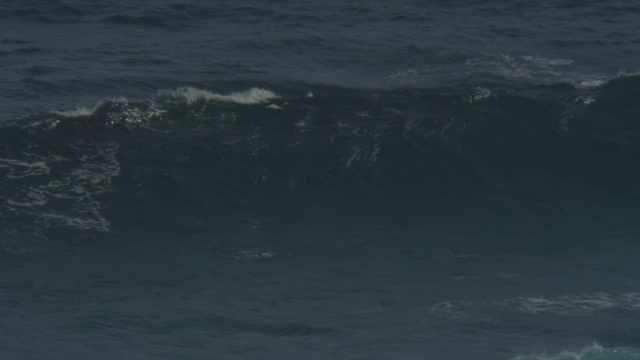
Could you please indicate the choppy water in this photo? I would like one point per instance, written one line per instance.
(197, 180)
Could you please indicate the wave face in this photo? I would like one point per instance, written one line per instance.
(407, 153)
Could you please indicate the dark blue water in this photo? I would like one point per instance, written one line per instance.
(347, 179)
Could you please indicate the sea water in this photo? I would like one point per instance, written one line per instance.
(316, 180)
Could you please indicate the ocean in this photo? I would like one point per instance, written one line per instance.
(320, 180)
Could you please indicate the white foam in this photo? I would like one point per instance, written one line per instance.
(478, 94)
(590, 84)
(545, 62)
(94, 222)
(19, 169)
(572, 306)
(577, 305)
(457, 311)
(366, 156)
(520, 67)
(569, 305)
(36, 200)
(538, 69)
(406, 73)
(255, 255)
(591, 352)
(72, 192)
(249, 97)
(596, 82)
(585, 100)
(80, 111)
(190, 94)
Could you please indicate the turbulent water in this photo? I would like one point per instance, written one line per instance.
(347, 179)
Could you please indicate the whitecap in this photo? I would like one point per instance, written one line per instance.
(249, 97)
